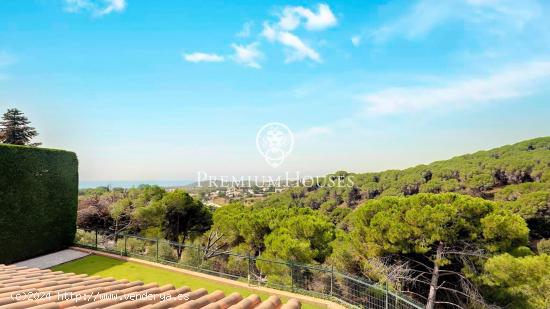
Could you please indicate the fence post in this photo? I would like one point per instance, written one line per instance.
(125, 241)
(331, 278)
(157, 249)
(96, 239)
(386, 305)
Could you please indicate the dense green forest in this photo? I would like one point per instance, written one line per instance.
(469, 232)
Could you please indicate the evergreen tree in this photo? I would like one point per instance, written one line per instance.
(15, 129)
(184, 218)
(443, 237)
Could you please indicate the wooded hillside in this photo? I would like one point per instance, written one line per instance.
(465, 232)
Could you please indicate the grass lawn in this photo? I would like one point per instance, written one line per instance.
(108, 267)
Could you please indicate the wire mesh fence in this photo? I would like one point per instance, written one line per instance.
(313, 280)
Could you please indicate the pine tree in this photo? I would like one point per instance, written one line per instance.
(15, 129)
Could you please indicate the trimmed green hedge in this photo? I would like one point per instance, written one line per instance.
(38, 201)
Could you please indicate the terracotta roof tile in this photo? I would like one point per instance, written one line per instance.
(23, 287)
(225, 302)
(202, 301)
(250, 302)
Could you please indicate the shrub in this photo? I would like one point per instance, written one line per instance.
(543, 247)
(85, 238)
(133, 245)
(38, 200)
(191, 256)
(166, 252)
(238, 264)
(521, 251)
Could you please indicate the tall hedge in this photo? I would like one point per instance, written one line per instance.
(38, 201)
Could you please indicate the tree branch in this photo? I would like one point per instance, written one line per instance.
(448, 303)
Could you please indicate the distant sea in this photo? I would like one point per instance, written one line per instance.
(85, 184)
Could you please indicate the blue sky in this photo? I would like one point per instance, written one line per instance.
(164, 89)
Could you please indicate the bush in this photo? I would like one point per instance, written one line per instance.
(166, 252)
(238, 264)
(521, 251)
(38, 200)
(85, 238)
(133, 246)
(543, 247)
(190, 256)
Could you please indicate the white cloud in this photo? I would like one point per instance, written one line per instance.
(247, 55)
(203, 57)
(313, 132)
(513, 82)
(96, 7)
(491, 15)
(290, 19)
(322, 20)
(75, 6)
(356, 40)
(246, 30)
(113, 6)
(297, 49)
(269, 32)
(292, 16)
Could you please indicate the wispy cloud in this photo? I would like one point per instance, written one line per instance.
(248, 55)
(75, 6)
(203, 57)
(427, 15)
(356, 40)
(246, 30)
(290, 19)
(512, 82)
(313, 132)
(292, 16)
(96, 7)
(113, 6)
(297, 49)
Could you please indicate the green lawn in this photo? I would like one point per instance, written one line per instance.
(108, 267)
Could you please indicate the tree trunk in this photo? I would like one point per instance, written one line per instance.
(180, 248)
(435, 277)
(116, 232)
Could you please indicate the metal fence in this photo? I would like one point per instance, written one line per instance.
(313, 280)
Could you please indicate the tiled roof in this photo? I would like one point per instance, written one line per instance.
(22, 287)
